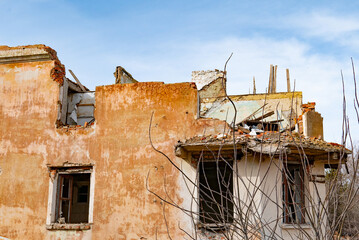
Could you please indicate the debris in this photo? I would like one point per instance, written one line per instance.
(243, 129)
(61, 220)
(264, 116)
(253, 132)
(252, 114)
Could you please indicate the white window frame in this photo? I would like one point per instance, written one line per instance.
(55, 171)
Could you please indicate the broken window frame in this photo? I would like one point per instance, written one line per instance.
(293, 194)
(225, 208)
(60, 195)
(71, 197)
(68, 89)
(57, 175)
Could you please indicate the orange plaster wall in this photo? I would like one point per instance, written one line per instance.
(117, 145)
(27, 112)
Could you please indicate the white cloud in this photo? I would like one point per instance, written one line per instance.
(327, 26)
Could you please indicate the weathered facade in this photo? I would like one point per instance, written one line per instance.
(74, 163)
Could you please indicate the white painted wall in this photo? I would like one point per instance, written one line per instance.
(267, 175)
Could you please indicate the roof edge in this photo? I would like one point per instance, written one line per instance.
(28, 53)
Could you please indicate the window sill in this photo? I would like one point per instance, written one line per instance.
(69, 226)
(288, 226)
(214, 226)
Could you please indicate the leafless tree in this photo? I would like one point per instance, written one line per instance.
(243, 179)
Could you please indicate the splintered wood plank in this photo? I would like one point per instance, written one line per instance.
(73, 86)
(254, 85)
(78, 81)
(270, 79)
(274, 86)
(264, 116)
(65, 90)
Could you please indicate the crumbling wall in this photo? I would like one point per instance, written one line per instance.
(285, 107)
(28, 111)
(129, 210)
(210, 84)
(280, 109)
(313, 125)
(117, 147)
(122, 76)
(310, 122)
(29, 141)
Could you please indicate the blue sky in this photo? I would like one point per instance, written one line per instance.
(166, 40)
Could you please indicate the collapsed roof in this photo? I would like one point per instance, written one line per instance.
(269, 123)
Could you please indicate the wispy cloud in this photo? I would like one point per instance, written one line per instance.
(327, 26)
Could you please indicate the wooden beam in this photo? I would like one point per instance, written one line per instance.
(270, 78)
(78, 81)
(65, 90)
(264, 116)
(252, 114)
(288, 80)
(73, 86)
(254, 85)
(245, 130)
(274, 86)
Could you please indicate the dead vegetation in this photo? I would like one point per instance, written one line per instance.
(260, 180)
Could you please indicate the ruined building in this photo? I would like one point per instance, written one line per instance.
(79, 164)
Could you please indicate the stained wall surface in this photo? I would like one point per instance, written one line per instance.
(27, 143)
(313, 124)
(117, 145)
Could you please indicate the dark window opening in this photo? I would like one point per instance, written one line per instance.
(73, 198)
(83, 194)
(216, 192)
(293, 194)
